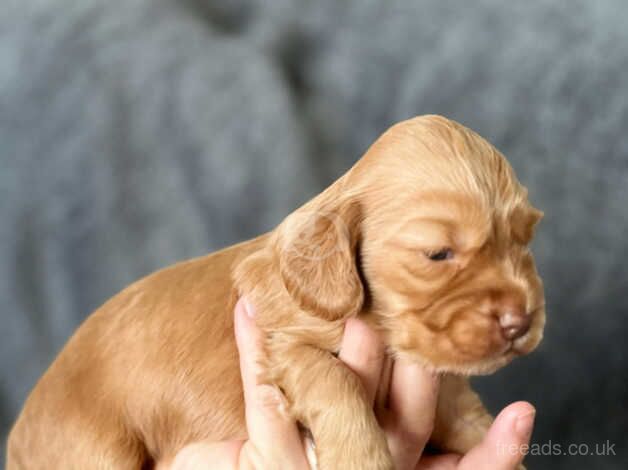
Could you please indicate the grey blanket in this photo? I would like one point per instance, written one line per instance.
(134, 133)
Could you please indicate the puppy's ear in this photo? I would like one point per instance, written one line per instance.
(317, 250)
(523, 223)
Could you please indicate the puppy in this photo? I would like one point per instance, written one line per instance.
(426, 238)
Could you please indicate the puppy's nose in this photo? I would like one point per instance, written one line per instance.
(515, 323)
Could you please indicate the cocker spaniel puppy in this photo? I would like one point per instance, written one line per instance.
(426, 238)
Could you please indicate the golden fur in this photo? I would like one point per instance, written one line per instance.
(156, 367)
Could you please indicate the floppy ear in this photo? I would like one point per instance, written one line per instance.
(523, 223)
(317, 250)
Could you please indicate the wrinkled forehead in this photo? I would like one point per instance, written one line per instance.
(451, 218)
(432, 169)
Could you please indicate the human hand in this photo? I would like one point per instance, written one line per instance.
(407, 422)
(408, 419)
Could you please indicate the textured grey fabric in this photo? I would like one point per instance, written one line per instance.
(140, 132)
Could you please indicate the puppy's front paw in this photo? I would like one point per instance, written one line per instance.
(381, 461)
(368, 454)
(377, 455)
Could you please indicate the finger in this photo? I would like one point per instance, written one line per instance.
(249, 340)
(363, 352)
(273, 435)
(412, 401)
(503, 447)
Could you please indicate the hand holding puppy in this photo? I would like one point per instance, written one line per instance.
(407, 422)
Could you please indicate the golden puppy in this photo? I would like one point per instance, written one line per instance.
(425, 238)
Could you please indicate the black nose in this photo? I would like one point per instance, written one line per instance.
(514, 324)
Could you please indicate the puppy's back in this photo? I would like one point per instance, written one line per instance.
(153, 368)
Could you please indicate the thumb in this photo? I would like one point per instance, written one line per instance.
(505, 444)
(273, 435)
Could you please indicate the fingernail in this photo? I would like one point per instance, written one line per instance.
(271, 398)
(524, 424)
(248, 308)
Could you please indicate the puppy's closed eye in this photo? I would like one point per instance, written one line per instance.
(442, 254)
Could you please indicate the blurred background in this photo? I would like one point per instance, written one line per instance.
(135, 133)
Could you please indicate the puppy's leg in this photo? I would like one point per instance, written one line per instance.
(66, 445)
(461, 418)
(330, 400)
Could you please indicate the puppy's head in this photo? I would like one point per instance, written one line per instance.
(428, 234)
